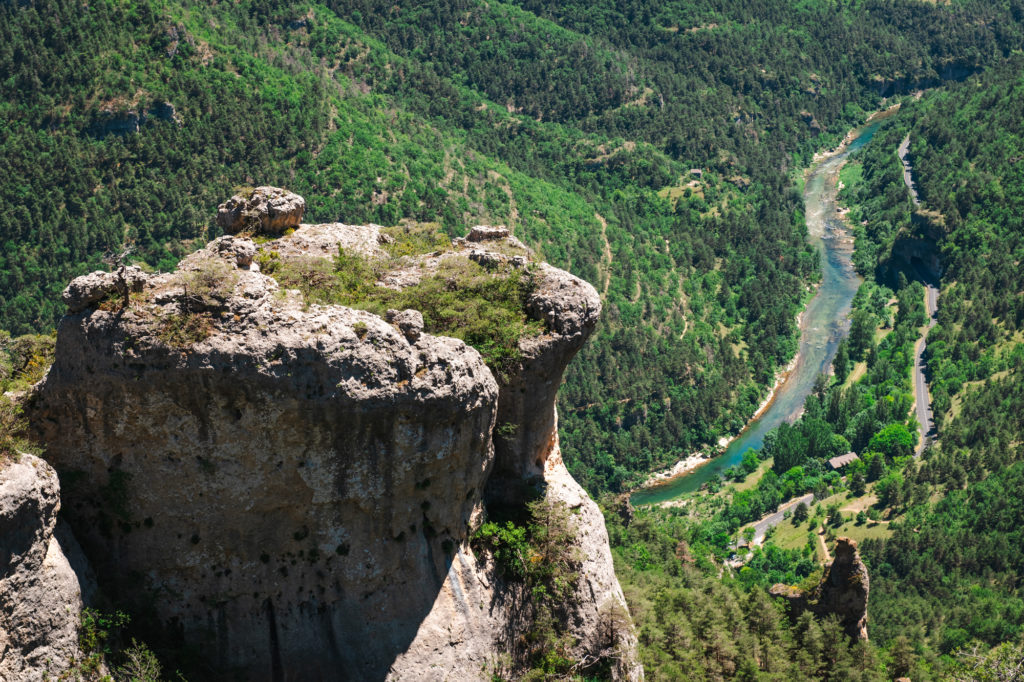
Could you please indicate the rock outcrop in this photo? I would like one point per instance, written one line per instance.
(486, 233)
(292, 488)
(112, 120)
(40, 589)
(90, 289)
(264, 210)
(842, 592)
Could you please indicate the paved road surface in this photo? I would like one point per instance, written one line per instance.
(922, 398)
(908, 178)
(762, 526)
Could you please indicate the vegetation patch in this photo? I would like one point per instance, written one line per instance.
(24, 359)
(411, 239)
(12, 433)
(484, 307)
(209, 285)
(542, 556)
(100, 639)
(184, 330)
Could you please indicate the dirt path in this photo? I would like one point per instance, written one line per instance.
(606, 256)
(822, 546)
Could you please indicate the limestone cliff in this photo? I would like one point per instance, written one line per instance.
(290, 488)
(40, 591)
(842, 592)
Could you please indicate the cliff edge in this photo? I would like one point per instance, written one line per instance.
(289, 485)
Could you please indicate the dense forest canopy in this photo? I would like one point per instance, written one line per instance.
(653, 149)
(955, 564)
(940, 534)
(576, 124)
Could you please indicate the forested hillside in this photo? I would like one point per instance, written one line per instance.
(941, 534)
(646, 147)
(955, 565)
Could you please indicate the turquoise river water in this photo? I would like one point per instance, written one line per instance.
(823, 324)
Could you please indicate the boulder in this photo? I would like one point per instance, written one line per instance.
(89, 289)
(409, 322)
(41, 578)
(264, 210)
(240, 251)
(487, 233)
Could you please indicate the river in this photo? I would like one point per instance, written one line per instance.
(823, 324)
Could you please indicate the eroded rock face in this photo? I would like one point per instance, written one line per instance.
(40, 591)
(570, 308)
(842, 592)
(242, 251)
(294, 486)
(267, 210)
(844, 589)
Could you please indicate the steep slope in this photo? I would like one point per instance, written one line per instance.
(552, 118)
(291, 487)
(954, 561)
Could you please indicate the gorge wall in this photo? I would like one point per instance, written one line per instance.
(291, 488)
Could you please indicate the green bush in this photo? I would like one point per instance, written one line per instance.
(12, 432)
(543, 556)
(486, 309)
(24, 359)
(509, 546)
(269, 261)
(410, 239)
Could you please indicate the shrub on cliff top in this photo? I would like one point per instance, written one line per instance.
(410, 239)
(485, 308)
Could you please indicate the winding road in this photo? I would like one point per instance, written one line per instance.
(762, 526)
(922, 399)
(908, 171)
